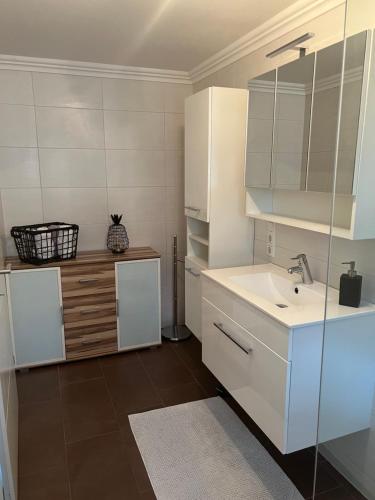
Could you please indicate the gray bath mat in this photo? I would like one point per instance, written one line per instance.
(202, 451)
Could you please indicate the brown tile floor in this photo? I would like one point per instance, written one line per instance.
(75, 438)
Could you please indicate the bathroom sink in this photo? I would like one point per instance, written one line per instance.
(280, 291)
(284, 297)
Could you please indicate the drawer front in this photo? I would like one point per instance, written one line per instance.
(270, 332)
(88, 280)
(89, 314)
(87, 340)
(254, 375)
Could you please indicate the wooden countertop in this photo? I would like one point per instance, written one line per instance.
(91, 257)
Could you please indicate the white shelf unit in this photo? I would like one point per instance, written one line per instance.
(353, 211)
(314, 210)
(218, 231)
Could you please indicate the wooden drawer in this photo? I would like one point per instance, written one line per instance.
(91, 339)
(254, 375)
(93, 314)
(82, 280)
(270, 332)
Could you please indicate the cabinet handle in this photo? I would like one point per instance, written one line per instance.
(193, 209)
(89, 311)
(62, 314)
(117, 308)
(189, 270)
(220, 327)
(86, 281)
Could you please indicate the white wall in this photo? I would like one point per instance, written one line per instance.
(77, 149)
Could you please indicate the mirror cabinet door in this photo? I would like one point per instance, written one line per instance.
(260, 130)
(350, 111)
(292, 124)
(324, 118)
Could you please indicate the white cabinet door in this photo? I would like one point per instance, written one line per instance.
(37, 316)
(197, 154)
(193, 300)
(8, 402)
(138, 303)
(253, 374)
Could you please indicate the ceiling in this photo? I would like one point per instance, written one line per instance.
(165, 34)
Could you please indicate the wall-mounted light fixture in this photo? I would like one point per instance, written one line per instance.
(293, 45)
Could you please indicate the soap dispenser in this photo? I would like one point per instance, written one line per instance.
(350, 287)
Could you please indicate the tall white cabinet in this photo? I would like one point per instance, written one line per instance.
(218, 232)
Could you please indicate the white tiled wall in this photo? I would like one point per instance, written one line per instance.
(77, 149)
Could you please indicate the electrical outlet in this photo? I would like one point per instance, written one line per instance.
(270, 239)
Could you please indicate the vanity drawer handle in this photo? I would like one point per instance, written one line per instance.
(193, 209)
(220, 327)
(89, 311)
(86, 281)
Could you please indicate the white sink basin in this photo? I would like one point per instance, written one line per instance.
(280, 291)
(282, 296)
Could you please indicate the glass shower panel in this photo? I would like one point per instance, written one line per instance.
(346, 431)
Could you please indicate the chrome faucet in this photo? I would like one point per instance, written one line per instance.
(303, 269)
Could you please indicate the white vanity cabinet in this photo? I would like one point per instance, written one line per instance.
(273, 368)
(138, 303)
(37, 319)
(275, 380)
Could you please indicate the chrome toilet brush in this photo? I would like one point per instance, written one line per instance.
(175, 333)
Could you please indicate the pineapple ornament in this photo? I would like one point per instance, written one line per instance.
(117, 239)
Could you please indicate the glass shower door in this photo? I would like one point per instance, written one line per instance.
(346, 431)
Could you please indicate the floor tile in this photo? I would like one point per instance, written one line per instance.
(190, 352)
(87, 410)
(138, 468)
(41, 437)
(79, 371)
(341, 493)
(49, 484)
(99, 470)
(183, 393)
(148, 495)
(129, 385)
(206, 380)
(164, 367)
(38, 384)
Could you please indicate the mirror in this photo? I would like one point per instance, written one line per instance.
(324, 119)
(260, 130)
(292, 124)
(350, 111)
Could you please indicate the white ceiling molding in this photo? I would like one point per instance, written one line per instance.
(287, 20)
(42, 65)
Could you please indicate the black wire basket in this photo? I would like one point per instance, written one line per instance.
(42, 243)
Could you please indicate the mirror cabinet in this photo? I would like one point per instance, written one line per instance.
(310, 134)
(293, 121)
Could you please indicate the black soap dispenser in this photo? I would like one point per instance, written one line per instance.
(350, 287)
